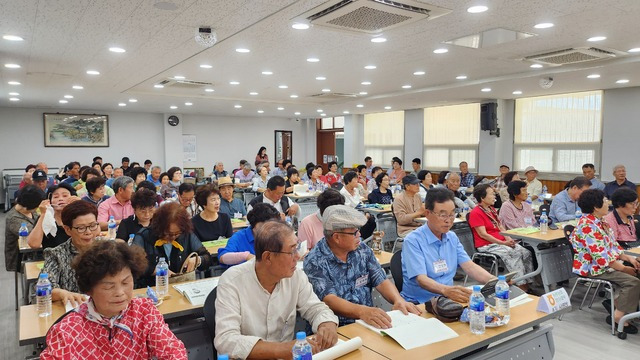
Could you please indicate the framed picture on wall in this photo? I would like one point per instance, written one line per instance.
(76, 130)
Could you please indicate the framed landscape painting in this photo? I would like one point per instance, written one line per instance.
(76, 130)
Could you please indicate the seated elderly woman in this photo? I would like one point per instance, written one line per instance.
(485, 226)
(620, 220)
(24, 212)
(81, 225)
(259, 183)
(293, 178)
(143, 202)
(516, 213)
(240, 247)
(508, 177)
(170, 236)
(95, 193)
(383, 194)
(210, 223)
(113, 321)
(175, 179)
(58, 196)
(598, 256)
(138, 174)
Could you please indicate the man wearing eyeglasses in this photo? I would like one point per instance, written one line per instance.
(343, 271)
(257, 301)
(432, 253)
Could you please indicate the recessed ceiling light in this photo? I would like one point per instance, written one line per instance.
(461, 77)
(78, 87)
(62, 101)
(234, 83)
(321, 78)
(206, 66)
(280, 108)
(188, 104)
(345, 112)
(363, 93)
(13, 83)
(517, 92)
(133, 100)
(300, 26)
(173, 107)
(370, 67)
(406, 86)
(283, 86)
(378, 39)
(313, 59)
(477, 9)
(12, 37)
(267, 73)
(296, 113)
(253, 93)
(117, 49)
(14, 94)
(440, 51)
(543, 25)
(622, 81)
(243, 50)
(179, 77)
(359, 105)
(237, 106)
(158, 86)
(319, 110)
(209, 90)
(260, 111)
(93, 72)
(597, 38)
(326, 90)
(366, 83)
(485, 89)
(14, 99)
(593, 76)
(536, 66)
(12, 66)
(387, 107)
(122, 104)
(634, 50)
(293, 96)
(323, 114)
(419, 73)
(68, 96)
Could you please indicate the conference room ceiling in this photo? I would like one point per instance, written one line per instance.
(64, 39)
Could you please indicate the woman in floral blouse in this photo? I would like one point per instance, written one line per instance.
(598, 255)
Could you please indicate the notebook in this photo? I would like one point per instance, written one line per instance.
(196, 292)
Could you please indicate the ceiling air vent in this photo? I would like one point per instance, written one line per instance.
(184, 84)
(572, 56)
(371, 16)
(332, 96)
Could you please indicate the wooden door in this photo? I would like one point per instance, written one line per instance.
(325, 146)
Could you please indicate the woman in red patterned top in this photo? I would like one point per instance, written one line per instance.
(333, 176)
(112, 324)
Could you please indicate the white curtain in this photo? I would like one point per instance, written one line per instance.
(384, 137)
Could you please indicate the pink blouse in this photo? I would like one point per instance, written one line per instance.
(621, 231)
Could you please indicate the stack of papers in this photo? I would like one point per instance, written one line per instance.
(412, 331)
(196, 292)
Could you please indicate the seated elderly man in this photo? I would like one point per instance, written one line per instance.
(620, 175)
(565, 204)
(408, 206)
(452, 182)
(589, 171)
(186, 196)
(343, 271)
(257, 301)
(40, 180)
(119, 205)
(154, 176)
(534, 186)
(274, 196)
(43, 166)
(244, 176)
(310, 229)
(117, 172)
(279, 170)
(466, 178)
(432, 253)
(219, 171)
(228, 204)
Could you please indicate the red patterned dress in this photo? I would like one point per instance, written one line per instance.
(139, 333)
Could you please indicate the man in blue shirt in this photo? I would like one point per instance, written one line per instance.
(432, 253)
(72, 170)
(589, 171)
(343, 271)
(466, 178)
(565, 204)
(620, 175)
(228, 204)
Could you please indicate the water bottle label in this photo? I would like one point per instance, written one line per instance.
(477, 306)
(43, 290)
(307, 356)
(24, 233)
(504, 294)
(162, 272)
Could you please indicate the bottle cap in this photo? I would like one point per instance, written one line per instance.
(43, 275)
(301, 335)
(223, 357)
(476, 288)
(501, 278)
(23, 224)
(111, 217)
(161, 259)
(132, 235)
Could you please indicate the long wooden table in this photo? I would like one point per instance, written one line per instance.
(523, 317)
(633, 251)
(363, 353)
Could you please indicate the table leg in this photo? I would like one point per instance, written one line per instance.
(538, 270)
(16, 286)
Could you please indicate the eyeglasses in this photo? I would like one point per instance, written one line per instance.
(90, 227)
(292, 254)
(354, 234)
(445, 216)
(172, 235)
(146, 210)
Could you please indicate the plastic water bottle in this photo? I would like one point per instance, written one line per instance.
(544, 223)
(529, 201)
(310, 186)
(465, 211)
(476, 311)
(23, 233)
(174, 195)
(301, 349)
(502, 298)
(43, 295)
(223, 357)
(544, 190)
(288, 220)
(131, 237)
(162, 278)
(112, 226)
(578, 214)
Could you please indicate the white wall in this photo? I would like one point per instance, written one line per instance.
(354, 139)
(494, 151)
(413, 137)
(620, 132)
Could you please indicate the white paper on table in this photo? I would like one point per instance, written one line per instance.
(339, 349)
(522, 299)
(197, 292)
(412, 331)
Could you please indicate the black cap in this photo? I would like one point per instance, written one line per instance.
(410, 179)
(39, 175)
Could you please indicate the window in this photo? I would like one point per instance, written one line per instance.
(558, 133)
(384, 136)
(451, 135)
(330, 123)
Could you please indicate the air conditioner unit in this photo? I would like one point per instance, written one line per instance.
(184, 84)
(572, 56)
(371, 16)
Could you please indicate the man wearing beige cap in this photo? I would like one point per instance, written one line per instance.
(228, 204)
(343, 271)
(534, 186)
